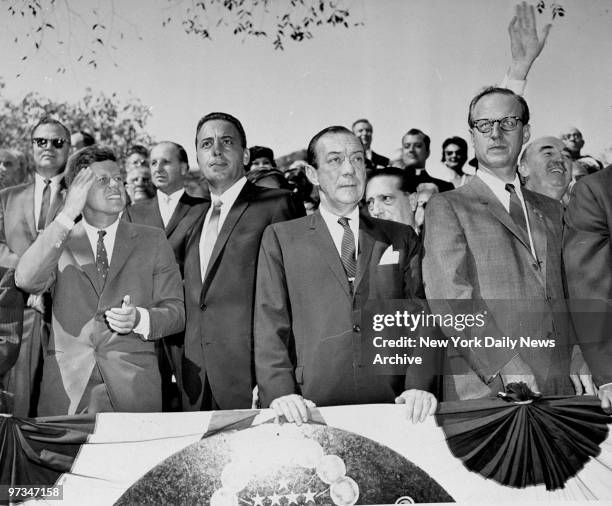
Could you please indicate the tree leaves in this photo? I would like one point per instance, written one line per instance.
(114, 123)
(277, 20)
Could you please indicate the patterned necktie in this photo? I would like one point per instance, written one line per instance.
(44, 205)
(516, 211)
(347, 249)
(101, 256)
(210, 237)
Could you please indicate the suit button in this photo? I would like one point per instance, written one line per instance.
(535, 266)
(203, 307)
(356, 328)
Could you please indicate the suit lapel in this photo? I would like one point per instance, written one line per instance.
(28, 205)
(192, 267)
(56, 205)
(182, 208)
(239, 207)
(322, 238)
(124, 244)
(366, 246)
(537, 223)
(80, 247)
(494, 206)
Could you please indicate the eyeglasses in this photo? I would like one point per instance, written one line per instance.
(507, 124)
(57, 143)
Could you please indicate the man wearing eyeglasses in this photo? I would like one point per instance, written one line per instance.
(116, 290)
(25, 210)
(498, 247)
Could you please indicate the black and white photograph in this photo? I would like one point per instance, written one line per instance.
(305, 252)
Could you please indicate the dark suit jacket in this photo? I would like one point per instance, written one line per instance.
(142, 266)
(218, 334)
(475, 251)
(11, 320)
(376, 162)
(182, 221)
(307, 318)
(587, 255)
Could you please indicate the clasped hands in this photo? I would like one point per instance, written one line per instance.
(419, 405)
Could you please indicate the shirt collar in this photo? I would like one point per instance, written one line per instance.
(40, 181)
(493, 182)
(173, 197)
(331, 218)
(229, 196)
(111, 230)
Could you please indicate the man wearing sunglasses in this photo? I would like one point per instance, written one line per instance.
(494, 248)
(25, 210)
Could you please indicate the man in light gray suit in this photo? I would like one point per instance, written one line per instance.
(25, 210)
(499, 247)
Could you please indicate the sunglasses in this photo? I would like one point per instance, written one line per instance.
(57, 143)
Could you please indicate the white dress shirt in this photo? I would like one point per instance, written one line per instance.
(167, 204)
(144, 325)
(227, 199)
(337, 231)
(498, 187)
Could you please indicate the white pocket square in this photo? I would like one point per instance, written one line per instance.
(389, 257)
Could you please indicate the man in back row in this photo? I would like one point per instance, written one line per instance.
(25, 210)
(176, 212)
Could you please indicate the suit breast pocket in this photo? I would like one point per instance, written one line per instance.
(386, 282)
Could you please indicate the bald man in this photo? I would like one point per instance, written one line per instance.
(546, 166)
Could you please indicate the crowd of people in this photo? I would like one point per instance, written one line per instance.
(139, 285)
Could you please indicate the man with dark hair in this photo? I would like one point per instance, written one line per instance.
(415, 152)
(314, 275)
(363, 129)
(116, 289)
(81, 139)
(220, 269)
(176, 212)
(25, 210)
(388, 197)
(498, 246)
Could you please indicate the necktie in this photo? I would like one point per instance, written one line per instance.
(516, 211)
(44, 205)
(210, 237)
(101, 256)
(347, 249)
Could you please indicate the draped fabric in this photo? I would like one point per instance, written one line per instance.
(37, 451)
(520, 442)
(481, 449)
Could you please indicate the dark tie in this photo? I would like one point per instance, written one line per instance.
(210, 237)
(347, 249)
(44, 205)
(101, 256)
(516, 211)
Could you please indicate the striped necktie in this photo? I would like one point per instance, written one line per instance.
(347, 255)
